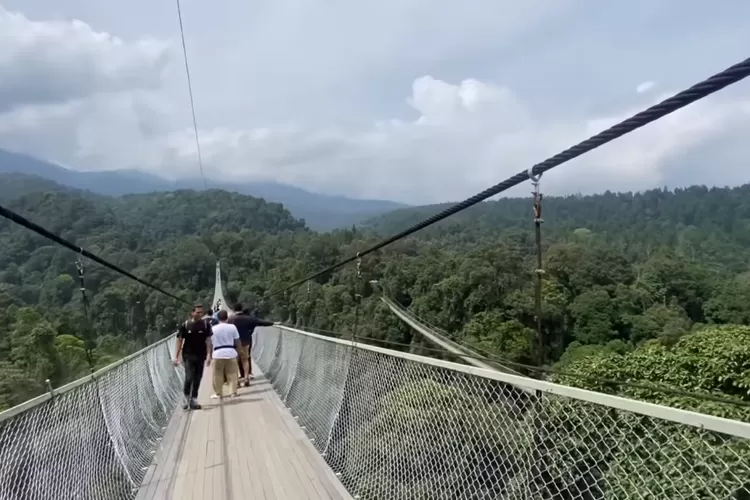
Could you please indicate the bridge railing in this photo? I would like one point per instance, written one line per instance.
(93, 438)
(399, 426)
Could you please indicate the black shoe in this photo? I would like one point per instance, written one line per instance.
(186, 404)
(194, 404)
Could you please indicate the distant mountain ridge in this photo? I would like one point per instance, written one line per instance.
(715, 207)
(320, 212)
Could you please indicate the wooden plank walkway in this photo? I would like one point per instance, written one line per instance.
(249, 447)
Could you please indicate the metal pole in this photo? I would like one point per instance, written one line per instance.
(88, 342)
(357, 298)
(542, 341)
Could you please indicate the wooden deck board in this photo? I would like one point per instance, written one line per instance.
(236, 448)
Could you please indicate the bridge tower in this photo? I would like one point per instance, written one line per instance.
(219, 301)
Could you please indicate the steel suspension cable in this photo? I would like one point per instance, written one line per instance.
(23, 221)
(688, 96)
(190, 91)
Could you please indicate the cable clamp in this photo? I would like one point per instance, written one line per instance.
(535, 181)
(534, 178)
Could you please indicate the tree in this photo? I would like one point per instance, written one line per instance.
(32, 343)
(74, 362)
(492, 332)
(730, 304)
(594, 314)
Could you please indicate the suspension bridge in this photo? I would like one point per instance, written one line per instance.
(328, 418)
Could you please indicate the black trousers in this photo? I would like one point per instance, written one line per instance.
(249, 344)
(242, 369)
(193, 375)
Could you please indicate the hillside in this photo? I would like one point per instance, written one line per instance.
(320, 212)
(170, 239)
(15, 185)
(712, 224)
(634, 284)
(693, 206)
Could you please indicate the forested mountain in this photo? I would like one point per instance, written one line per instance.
(320, 212)
(699, 206)
(643, 287)
(168, 239)
(14, 185)
(707, 225)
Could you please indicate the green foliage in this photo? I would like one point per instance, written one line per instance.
(492, 332)
(648, 288)
(711, 361)
(169, 239)
(621, 270)
(399, 435)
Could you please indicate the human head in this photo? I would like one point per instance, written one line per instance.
(238, 307)
(197, 312)
(223, 316)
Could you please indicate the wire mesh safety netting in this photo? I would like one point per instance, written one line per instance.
(93, 441)
(394, 427)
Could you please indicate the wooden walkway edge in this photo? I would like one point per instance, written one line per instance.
(238, 448)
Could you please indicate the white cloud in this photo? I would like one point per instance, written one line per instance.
(54, 61)
(644, 87)
(466, 136)
(453, 137)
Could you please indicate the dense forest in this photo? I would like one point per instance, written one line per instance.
(167, 239)
(650, 287)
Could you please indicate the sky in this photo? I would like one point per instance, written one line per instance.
(408, 100)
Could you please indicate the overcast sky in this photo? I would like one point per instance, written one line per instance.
(410, 100)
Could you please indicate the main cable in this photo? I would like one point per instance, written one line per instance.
(190, 91)
(23, 221)
(698, 91)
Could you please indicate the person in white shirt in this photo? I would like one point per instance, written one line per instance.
(226, 342)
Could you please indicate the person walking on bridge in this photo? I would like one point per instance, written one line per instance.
(246, 325)
(193, 347)
(245, 311)
(226, 342)
(209, 316)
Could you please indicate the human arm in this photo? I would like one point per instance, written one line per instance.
(237, 342)
(263, 322)
(181, 332)
(209, 344)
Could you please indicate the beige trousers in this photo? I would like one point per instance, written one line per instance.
(225, 369)
(245, 359)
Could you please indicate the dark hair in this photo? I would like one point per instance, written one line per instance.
(197, 306)
(238, 307)
(210, 312)
(223, 315)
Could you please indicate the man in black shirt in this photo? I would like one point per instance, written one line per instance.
(246, 325)
(194, 345)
